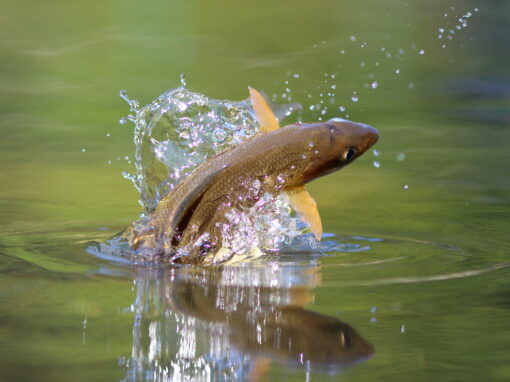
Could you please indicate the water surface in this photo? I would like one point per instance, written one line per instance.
(420, 273)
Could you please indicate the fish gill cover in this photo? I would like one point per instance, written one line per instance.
(181, 129)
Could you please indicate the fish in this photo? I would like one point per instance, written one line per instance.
(276, 160)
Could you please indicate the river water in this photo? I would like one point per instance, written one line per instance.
(414, 282)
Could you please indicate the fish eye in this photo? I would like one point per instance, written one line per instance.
(349, 154)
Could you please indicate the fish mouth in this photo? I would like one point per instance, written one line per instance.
(371, 136)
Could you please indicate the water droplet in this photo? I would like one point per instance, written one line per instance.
(107, 134)
(123, 94)
(410, 86)
(406, 186)
(375, 152)
(352, 38)
(183, 80)
(403, 328)
(362, 64)
(83, 150)
(295, 75)
(374, 85)
(401, 157)
(220, 135)
(342, 51)
(377, 164)
(355, 98)
(341, 108)
(397, 71)
(109, 162)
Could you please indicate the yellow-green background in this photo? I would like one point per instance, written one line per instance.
(62, 64)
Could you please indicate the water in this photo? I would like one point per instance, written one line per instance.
(417, 260)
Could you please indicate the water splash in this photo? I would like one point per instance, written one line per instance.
(176, 132)
(181, 129)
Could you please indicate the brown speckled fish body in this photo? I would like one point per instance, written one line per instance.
(236, 178)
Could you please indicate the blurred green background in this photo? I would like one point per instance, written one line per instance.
(444, 125)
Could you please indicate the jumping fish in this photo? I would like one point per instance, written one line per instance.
(273, 161)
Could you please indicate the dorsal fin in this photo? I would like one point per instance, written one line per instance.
(265, 116)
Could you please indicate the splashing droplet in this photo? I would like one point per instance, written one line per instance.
(377, 164)
(401, 157)
(183, 80)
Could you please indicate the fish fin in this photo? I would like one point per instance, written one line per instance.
(306, 207)
(265, 116)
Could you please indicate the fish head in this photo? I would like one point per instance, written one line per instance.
(340, 142)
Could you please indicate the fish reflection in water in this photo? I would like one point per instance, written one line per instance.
(228, 323)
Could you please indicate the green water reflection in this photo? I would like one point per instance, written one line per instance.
(431, 297)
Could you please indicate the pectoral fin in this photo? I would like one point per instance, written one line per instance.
(265, 116)
(306, 208)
